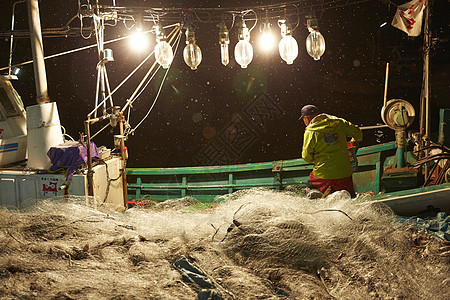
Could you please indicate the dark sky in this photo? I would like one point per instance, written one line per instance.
(226, 115)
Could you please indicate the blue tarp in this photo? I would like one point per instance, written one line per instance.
(438, 226)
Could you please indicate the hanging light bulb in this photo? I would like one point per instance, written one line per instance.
(315, 43)
(163, 51)
(243, 52)
(192, 54)
(266, 40)
(138, 25)
(138, 41)
(288, 46)
(224, 40)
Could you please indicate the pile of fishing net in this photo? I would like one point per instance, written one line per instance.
(256, 244)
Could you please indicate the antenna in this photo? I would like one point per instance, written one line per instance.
(386, 84)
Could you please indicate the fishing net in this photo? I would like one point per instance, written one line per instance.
(256, 244)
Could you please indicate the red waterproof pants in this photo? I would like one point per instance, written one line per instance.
(335, 184)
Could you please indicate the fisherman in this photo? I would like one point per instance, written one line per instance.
(325, 145)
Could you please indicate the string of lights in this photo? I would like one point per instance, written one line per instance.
(216, 14)
(286, 14)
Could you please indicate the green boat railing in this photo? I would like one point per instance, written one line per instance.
(209, 182)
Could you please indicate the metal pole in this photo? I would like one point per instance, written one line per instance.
(90, 172)
(424, 97)
(124, 152)
(400, 144)
(386, 84)
(38, 52)
(373, 127)
(426, 66)
(11, 39)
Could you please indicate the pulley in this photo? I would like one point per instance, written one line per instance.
(398, 114)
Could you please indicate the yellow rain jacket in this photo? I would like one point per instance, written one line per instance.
(325, 145)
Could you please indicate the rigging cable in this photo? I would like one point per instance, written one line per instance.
(139, 93)
(159, 90)
(129, 75)
(71, 51)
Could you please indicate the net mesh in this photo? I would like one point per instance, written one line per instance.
(257, 244)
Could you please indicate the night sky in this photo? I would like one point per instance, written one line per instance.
(226, 115)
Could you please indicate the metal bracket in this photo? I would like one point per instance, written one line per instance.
(277, 166)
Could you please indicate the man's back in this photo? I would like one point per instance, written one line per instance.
(325, 145)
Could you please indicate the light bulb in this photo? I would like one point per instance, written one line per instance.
(288, 46)
(138, 41)
(315, 44)
(163, 51)
(266, 40)
(225, 57)
(163, 54)
(138, 25)
(243, 51)
(224, 40)
(192, 55)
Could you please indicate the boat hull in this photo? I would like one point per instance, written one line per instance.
(416, 201)
(20, 188)
(398, 190)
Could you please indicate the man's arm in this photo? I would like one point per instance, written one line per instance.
(308, 146)
(353, 131)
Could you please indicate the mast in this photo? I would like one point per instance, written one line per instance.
(37, 49)
(424, 96)
(43, 126)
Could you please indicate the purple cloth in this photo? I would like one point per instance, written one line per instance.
(70, 156)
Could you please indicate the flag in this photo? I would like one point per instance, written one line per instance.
(408, 17)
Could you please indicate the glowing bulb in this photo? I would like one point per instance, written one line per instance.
(138, 41)
(163, 51)
(163, 54)
(288, 49)
(224, 40)
(192, 55)
(243, 52)
(315, 44)
(288, 46)
(138, 25)
(266, 40)
(224, 56)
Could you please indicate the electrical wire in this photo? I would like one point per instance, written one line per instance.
(215, 13)
(256, 17)
(125, 23)
(298, 18)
